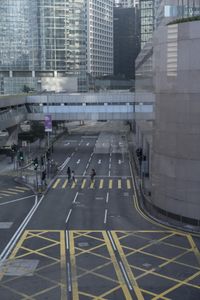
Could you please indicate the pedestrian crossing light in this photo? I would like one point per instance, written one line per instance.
(35, 163)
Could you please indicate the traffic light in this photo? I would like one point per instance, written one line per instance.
(21, 156)
(35, 163)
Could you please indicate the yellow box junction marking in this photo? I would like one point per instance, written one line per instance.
(73, 267)
(56, 183)
(101, 184)
(110, 184)
(65, 184)
(119, 184)
(127, 267)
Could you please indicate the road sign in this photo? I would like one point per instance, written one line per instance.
(48, 123)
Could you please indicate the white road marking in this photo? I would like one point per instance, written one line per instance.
(69, 278)
(125, 276)
(67, 144)
(16, 200)
(78, 161)
(74, 201)
(64, 163)
(99, 162)
(119, 161)
(109, 173)
(87, 144)
(107, 197)
(112, 242)
(70, 211)
(105, 217)
(20, 229)
(67, 240)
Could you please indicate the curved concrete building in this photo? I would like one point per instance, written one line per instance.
(176, 155)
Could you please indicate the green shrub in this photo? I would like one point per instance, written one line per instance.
(184, 20)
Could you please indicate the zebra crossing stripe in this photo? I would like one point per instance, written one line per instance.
(110, 184)
(16, 190)
(74, 184)
(83, 183)
(64, 184)
(92, 184)
(11, 193)
(22, 188)
(119, 184)
(101, 184)
(128, 184)
(56, 183)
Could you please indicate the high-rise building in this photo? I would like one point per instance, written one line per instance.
(44, 42)
(99, 37)
(126, 41)
(126, 3)
(147, 20)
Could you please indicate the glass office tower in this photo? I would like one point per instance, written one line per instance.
(99, 37)
(18, 35)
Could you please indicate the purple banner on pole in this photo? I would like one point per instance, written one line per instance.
(48, 123)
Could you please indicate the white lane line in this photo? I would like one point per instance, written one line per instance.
(125, 276)
(64, 163)
(70, 211)
(74, 201)
(16, 200)
(78, 161)
(107, 197)
(119, 161)
(109, 166)
(99, 162)
(87, 166)
(112, 242)
(90, 159)
(17, 234)
(105, 217)
(67, 240)
(109, 173)
(69, 278)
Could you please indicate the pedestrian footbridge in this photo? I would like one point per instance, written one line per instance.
(100, 106)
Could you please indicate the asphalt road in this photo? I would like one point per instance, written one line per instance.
(90, 240)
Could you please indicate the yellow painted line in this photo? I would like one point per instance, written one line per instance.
(128, 183)
(74, 184)
(83, 183)
(110, 184)
(120, 277)
(23, 188)
(16, 190)
(101, 184)
(119, 184)
(11, 193)
(92, 184)
(64, 184)
(73, 267)
(56, 183)
(63, 266)
(127, 267)
(176, 286)
(194, 248)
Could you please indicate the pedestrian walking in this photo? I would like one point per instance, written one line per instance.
(69, 173)
(92, 175)
(73, 176)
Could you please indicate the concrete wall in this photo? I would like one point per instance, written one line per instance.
(176, 159)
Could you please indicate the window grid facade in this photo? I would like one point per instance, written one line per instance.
(100, 37)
